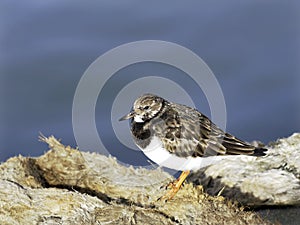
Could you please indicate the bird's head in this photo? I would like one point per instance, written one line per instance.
(145, 108)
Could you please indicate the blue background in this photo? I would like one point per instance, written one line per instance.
(252, 47)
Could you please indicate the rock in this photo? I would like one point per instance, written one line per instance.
(257, 181)
(67, 186)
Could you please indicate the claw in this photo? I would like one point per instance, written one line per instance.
(171, 184)
(174, 186)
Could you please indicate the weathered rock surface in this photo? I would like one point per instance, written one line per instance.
(270, 180)
(66, 186)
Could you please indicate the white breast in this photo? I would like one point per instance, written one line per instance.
(162, 157)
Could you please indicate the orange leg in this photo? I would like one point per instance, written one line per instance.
(175, 185)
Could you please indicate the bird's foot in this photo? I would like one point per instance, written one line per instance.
(174, 186)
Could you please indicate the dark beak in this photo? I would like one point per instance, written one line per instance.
(128, 116)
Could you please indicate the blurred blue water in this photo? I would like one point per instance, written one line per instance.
(252, 48)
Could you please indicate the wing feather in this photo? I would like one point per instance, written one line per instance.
(188, 132)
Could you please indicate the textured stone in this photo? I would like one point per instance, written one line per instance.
(256, 181)
(67, 186)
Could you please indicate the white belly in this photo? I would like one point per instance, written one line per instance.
(162, 157)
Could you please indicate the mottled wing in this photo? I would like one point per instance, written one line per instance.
(187, 132)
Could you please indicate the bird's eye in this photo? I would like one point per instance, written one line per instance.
(146, 107)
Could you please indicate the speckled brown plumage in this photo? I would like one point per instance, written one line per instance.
(184, 131)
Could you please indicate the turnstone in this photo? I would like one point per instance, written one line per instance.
(181, 138)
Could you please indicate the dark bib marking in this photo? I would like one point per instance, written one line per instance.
(141, 136)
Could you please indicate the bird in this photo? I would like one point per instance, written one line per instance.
(179, 137)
